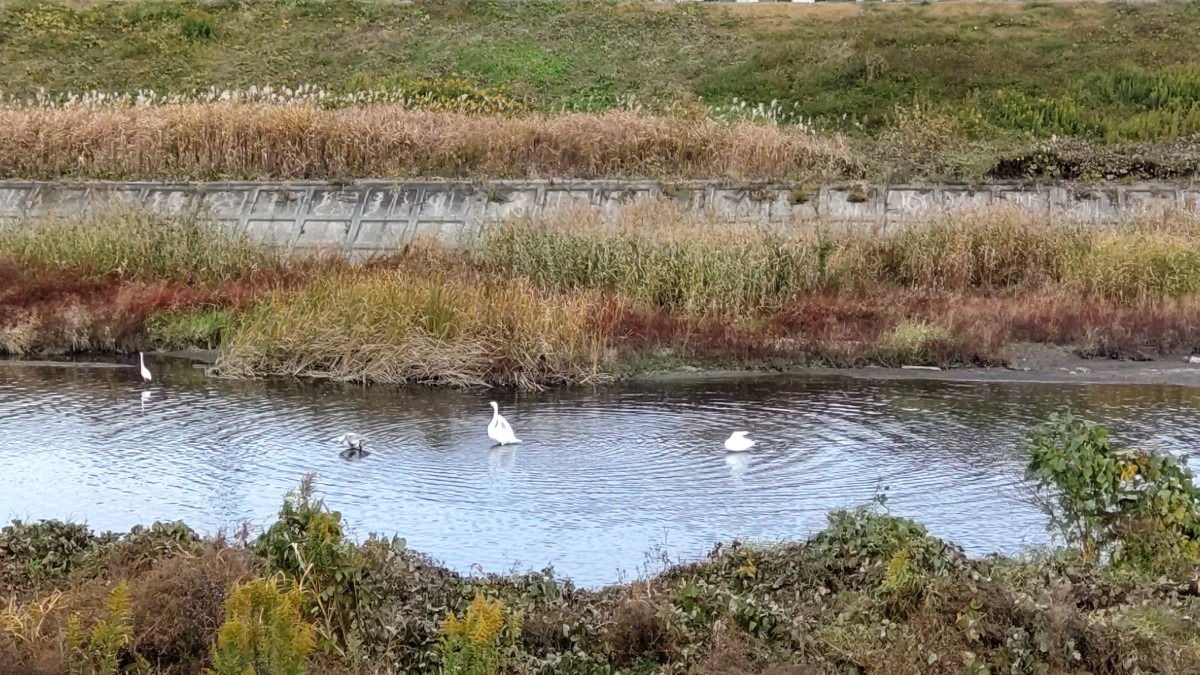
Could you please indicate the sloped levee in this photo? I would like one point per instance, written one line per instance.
(368, 216)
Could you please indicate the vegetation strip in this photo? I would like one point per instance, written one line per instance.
(1083, 90)
(579, 297)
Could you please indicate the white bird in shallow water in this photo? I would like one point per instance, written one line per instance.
(354, 445)
(145, 370)
(738, 442)
(499, 429)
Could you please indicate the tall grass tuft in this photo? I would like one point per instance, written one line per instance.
(258, 141)
(997, 248)
(424, 320)
(677, 262)
(137, 244)
(662, 256)
(1144, 261)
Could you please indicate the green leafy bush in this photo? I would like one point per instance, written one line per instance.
(308, 545)
(1129, 507)
(46, 548)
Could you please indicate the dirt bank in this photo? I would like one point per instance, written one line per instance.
(1046, 364)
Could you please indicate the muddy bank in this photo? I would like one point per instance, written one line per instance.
(1045, 364)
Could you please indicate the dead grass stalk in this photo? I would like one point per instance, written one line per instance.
(260, 141)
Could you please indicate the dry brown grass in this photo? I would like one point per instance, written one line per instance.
(253, 141)
(177, 606)
(423, 318)
(663, 255)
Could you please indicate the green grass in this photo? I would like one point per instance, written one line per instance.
(199, 328)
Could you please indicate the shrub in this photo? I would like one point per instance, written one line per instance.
(137, 551)
(308, 546)
(865, 546)
(404, 596)
(177, 606)
(478, 643)
(637, 631)
(1133, 508)
(264, 632)
(103, 649)
(46, 548)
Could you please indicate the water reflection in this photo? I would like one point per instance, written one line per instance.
(575, 494)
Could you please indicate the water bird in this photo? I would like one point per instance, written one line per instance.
(354, 446)
(499, 429)
(145, 370)
(738, 442)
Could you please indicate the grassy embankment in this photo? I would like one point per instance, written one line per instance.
(580, 298)
(872, 593)
(954, 90)
(544, 89)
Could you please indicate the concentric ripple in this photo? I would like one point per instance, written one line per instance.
(602, 478)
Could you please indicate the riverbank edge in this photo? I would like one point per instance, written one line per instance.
(1030, 364)
(799, 607)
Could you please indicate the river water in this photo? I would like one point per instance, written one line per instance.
(607, 482)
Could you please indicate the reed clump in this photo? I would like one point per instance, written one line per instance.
(423, 319)
(305, 141)
(135, 244)
(663, 256)
(93, 283)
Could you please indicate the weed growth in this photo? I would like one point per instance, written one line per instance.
(1139, 509)
(264, 631)
(101, 649)
(478, 643)
(425, 320)
(308, 546)
(220, 141)
(135, 244)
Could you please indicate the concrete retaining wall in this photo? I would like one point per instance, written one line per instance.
(374, 215)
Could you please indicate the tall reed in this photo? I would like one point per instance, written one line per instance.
(137, 244)
(251, 140)
(666, 257)
(427, 320)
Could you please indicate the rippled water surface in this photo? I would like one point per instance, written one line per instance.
(604, 476)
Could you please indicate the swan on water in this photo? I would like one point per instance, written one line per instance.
(145, 370)
(499, 430)
(738, 442)
(354, 445)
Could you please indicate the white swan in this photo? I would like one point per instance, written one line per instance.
(499, 430)
(145, 370)
(738, 442)
(354, 445)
